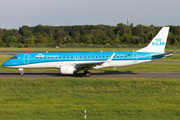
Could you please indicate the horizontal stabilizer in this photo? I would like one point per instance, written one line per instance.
(167, 54)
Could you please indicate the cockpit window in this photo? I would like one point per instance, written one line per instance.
(14, 57)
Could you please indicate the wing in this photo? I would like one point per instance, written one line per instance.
(89, 65)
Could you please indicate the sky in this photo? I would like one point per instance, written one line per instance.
(16, 13)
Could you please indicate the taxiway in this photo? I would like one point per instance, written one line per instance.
(93, 75)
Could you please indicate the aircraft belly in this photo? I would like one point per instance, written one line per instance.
(126, 63)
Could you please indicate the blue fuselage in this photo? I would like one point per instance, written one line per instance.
(35, 58)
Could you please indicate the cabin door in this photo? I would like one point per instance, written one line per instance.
(135, 57)
(26, 58)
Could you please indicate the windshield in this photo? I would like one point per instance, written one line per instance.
(14, 57)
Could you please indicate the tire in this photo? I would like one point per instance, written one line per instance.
(87, 73)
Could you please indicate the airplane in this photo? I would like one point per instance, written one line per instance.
(73, 62)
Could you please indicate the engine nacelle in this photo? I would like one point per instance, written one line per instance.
(67, 69)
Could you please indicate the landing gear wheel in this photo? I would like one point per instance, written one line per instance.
(87, 73)
(22, 73)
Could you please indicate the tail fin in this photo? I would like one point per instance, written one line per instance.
(158, 43)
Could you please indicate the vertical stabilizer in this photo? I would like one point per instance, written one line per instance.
(158, 43)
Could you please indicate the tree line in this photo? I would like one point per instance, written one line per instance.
(121, 34)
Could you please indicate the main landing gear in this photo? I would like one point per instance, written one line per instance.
(87, 73)
(21, 70)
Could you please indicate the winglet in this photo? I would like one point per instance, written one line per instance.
(109, 60)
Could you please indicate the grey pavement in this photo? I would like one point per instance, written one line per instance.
(93, 75)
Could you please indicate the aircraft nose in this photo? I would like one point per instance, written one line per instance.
(5, 64)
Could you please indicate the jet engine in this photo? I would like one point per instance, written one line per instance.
(67, 69)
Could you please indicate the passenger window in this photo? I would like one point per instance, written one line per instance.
(84, 56)
(36, 57)
(117, 56)
(88, 56)
(56, 57)
(64, 57)
(103, 56)
(40, 57)
(44, 57)
(92, 57)
(71, 57)
(67, 57)
(99, 56)
(48, 57)
(59, 57)
(121, 56)
(106, 56)
(96, 56)
(80, 56)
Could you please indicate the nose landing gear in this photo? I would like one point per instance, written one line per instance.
(21, 70)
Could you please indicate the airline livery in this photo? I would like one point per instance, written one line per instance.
(72, 62)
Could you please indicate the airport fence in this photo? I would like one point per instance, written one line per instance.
(99, 46)
(86, 46)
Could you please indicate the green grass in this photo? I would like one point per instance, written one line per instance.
(145, 67)
(75, 49)
(133, 98)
